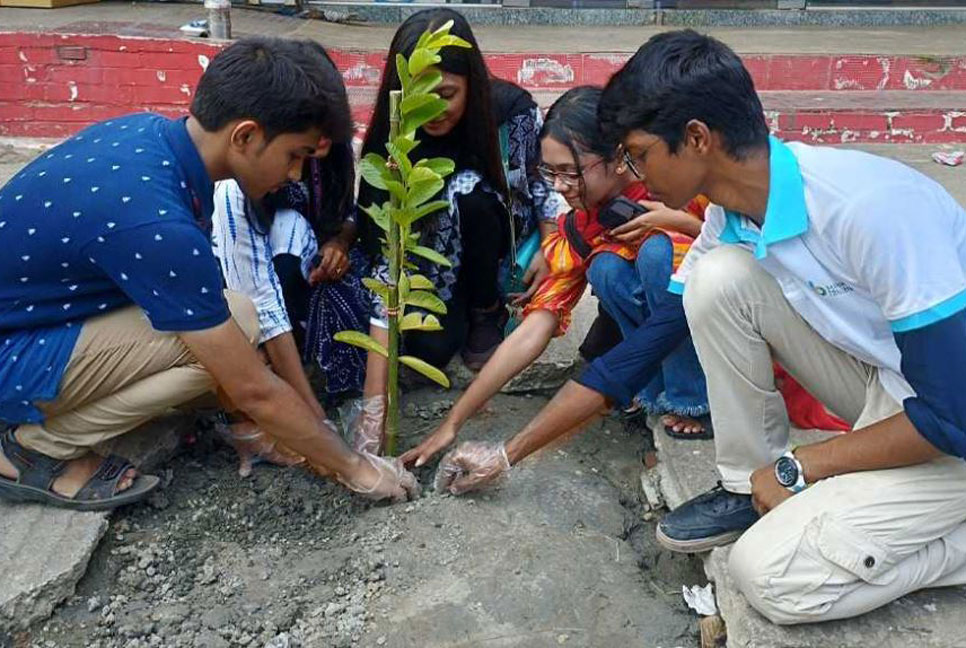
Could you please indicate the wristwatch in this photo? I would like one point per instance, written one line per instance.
(789, 472)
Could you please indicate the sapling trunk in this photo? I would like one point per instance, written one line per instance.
(395, 265)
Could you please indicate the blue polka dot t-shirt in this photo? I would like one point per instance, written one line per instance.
(113, 216)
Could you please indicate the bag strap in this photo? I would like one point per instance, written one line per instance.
(504, 132)
(574, 237)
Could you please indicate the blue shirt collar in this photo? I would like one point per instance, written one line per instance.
(785, 214)
(200, 186)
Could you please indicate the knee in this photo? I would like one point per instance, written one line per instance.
(244, 313)
(715, 279)
(606, 272)
(756, 569)
(656, 252)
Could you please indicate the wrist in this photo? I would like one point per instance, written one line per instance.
(810, 461)
(514, 451)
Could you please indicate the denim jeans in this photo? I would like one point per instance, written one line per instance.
(629, 291)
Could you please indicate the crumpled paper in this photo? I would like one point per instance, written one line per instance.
(700, 599)
(949, 158)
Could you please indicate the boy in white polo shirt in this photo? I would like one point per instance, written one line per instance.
(848, 269)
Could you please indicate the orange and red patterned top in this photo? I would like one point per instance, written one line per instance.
(562, 288)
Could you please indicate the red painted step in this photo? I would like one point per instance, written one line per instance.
(52, 85)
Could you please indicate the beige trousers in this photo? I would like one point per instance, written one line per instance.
(123, 373)
(845, 545)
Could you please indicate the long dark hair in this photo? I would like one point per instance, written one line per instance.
(330, 180)
(572, 121)
(473, 144)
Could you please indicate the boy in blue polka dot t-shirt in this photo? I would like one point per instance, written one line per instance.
(111, 302)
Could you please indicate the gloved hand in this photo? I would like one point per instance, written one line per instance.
(470, 466)
(383, 477)
(366, 424)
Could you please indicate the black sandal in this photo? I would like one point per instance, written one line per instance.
(37, 473)
(706, 433)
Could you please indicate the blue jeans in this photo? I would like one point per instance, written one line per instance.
(628, 291)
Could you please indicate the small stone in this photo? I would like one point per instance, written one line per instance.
(381, 640)
(93, 603)
(562, 638)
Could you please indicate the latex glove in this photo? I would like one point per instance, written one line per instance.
(470, 466)
(254, 446)
(366, 424)
(383, 477)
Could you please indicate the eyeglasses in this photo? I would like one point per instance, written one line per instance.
(568, 179)
(630, 162)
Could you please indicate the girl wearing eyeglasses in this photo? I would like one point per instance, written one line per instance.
(629, 267)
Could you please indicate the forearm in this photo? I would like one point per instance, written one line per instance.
(574, 405)
(347, 235)
(285, 360)
(890, 443)
(377, 367)
(686, 223)
(546, 227)
(515, 354)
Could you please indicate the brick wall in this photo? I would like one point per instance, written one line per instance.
(52, 85)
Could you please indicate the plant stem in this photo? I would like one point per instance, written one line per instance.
(395, 267)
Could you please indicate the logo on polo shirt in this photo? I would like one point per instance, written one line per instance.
(832, 289)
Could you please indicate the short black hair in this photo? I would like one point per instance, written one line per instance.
(287, 86)
(682, 75)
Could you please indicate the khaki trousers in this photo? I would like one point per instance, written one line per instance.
(845, 545)
(123, 373)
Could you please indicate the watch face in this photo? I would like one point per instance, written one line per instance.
(786, 471)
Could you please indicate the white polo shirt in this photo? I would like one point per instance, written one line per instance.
(862, 246)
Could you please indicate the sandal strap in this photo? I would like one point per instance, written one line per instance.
(103, 484)
(34, 469)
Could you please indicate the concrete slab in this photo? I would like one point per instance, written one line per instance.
(927, 619)
(45, 552)
(930, 618)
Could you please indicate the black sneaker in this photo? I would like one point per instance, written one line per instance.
(484, 336)
(710, 520)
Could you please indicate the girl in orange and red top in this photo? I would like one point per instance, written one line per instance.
(589, 175)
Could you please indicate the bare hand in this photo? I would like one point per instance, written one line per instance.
(470, 466)
(333, 262)
(383, 477)
(534, 276)
(442, 438)
(637, 229)
(766, 492)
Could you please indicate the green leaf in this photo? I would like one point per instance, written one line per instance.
(427, 301)
(397, 189)
(374, 170)
(447, 41)
(429, 253)
(441, 166)
(402, 71)
(424, 114)
(406, 144)
(377, 287)
(379, 216)
(431, 323)
(424, 183)
(421, 59)
(413, 215)
(405, 166)
(358, 339)
(420, 282)
(412, 102)
(426, 369)
(411, 322)
(425, 83)
(403, 286)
